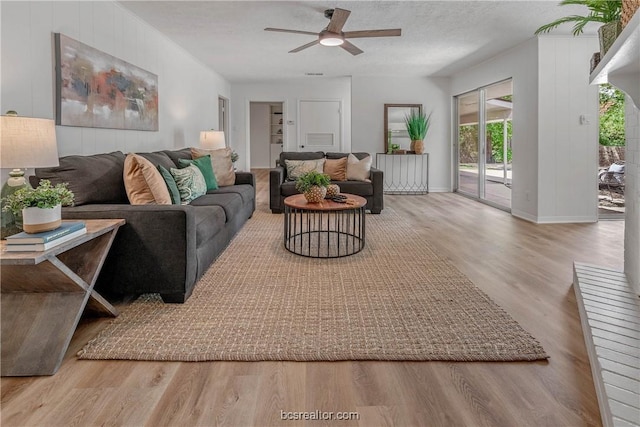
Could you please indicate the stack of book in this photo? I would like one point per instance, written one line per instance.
(24, 242)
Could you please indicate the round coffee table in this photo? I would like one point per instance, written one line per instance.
(324, 230)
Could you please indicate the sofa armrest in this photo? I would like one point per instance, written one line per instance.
(377, 180)
(276, 178)
(246, 178)
(156, 244)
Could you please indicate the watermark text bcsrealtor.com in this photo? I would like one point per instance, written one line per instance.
(318, 415)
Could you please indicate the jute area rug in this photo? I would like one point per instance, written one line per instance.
(395, 300)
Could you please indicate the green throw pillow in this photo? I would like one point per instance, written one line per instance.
(171, 185)
(204, 164)
(190, 182)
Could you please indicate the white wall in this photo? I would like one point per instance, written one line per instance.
(632, 196)
(567, 149)
(554, 155)
(368, 96)
(289, 92)
(521, 64)
(27, 75)
(260, 135)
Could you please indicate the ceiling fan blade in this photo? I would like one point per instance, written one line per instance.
(281, 30)
(298, 49)
(373, 33)
(338, 20)
(353, 50)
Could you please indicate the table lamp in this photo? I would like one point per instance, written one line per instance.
(25, 142)
(212, 139)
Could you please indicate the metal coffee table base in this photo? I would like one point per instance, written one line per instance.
(324, 234)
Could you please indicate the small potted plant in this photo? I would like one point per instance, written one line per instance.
(313, 185)
(417, 126)
(40, 207)
(234, 159)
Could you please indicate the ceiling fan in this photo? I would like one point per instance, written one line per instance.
(333, 35)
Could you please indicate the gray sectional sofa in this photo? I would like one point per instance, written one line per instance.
(162, 248)
(280, 188)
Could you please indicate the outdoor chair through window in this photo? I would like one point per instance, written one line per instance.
(612, 177)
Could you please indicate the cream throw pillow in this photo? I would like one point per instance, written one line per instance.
(358, 170)
(143, 182)
(220, 162)
(295, 168)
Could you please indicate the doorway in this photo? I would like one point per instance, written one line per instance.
(223, 116)
(483, 133)
(611, 153)
(267, 133)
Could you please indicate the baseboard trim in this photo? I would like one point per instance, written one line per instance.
(553, 219)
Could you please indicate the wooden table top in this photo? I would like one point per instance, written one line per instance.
(95, 228)
(298, 201)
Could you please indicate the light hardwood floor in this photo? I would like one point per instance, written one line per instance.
(525, 268)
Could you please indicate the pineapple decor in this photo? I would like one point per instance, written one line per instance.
(313, 185)
(333, 190)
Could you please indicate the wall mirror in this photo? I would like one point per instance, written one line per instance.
(395, 130)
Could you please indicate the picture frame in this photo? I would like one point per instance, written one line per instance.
(97, 90)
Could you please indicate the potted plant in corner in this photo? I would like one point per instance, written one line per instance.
(313, 185)
(40, 207)
(604, 11)
(417, 126)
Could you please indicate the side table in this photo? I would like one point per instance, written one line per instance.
(43, 294)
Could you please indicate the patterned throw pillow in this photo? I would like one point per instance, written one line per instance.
(295, 168)
(190, 182)
(204, 164)
(358, 170)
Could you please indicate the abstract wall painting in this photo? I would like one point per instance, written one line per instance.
(94, 89)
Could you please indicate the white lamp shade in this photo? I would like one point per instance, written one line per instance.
(212, 139)
(26, 142)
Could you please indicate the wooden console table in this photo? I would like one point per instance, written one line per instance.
(43, 295)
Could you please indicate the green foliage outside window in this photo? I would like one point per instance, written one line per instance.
(611, 116)
(496, 136)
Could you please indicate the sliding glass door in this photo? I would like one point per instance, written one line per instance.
(484, 143)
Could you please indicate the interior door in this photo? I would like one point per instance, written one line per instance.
(320, 126)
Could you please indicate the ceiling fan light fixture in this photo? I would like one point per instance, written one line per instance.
(330, 39)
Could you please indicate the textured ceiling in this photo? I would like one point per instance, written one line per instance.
(438, 37)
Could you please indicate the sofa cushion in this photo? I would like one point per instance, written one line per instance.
(93, 179)
(245, 191)
(144, 183)
(158, 158)
(358, 169)
(210, 221)
(297, 168)
(190, 182)
(288, 188)
(358, 155)
(220, 163)
(175, 155)
(336, 169)
(360, 188)
(230, 202)
(204, 164)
